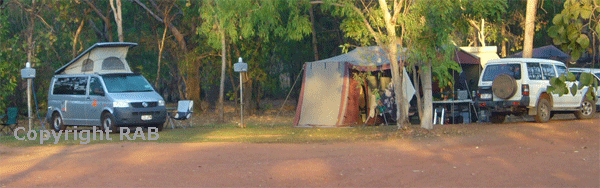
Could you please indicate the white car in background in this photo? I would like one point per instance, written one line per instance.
(596, 73)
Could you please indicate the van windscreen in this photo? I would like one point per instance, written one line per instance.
(126, 83)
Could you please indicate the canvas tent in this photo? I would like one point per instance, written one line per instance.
(547, 52)
(101, 58)
(330, 96)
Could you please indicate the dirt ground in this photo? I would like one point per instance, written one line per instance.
(521, 153)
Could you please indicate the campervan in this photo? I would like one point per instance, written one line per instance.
(98, 88)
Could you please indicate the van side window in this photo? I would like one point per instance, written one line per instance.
(79, 85)
(534, 71)
(70, 86)
(95, 86)
(548, 71)
(63, 86)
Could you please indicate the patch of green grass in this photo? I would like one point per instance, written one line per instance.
(231, 133)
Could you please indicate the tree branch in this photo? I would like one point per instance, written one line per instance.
(96, 10)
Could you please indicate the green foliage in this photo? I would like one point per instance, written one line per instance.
(574, 26)
(9, 71)
(559, 85)
(430, 37)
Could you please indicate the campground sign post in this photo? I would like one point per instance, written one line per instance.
(240, 67)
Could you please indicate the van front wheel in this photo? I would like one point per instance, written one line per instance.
(57, 122)
(108, 122)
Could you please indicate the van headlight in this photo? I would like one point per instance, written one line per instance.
(120, 104)
(161, 103)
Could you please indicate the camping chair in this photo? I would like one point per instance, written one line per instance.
(185, 108)
(9, 120)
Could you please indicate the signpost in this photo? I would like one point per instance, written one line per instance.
(28, 73)
(240, 67)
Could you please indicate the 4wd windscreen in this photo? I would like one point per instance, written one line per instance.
(126, 83)
(492, 71)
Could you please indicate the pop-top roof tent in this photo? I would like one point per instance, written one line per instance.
(330, 96)
(101, 58)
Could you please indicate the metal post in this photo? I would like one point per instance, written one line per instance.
(241, 102)
(29, 102)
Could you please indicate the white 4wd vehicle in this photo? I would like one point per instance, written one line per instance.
(518, 86)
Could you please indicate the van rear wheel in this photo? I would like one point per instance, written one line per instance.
(108, 122)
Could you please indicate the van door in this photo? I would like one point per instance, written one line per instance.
(78, 101)
(96, 102)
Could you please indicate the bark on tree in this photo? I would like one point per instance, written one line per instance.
(427, 117)
(314, 33)
(529, 28)
(116, 7)
(105, 19)
(176, 33)
(76, 38)
(392, 50)
(161, 47)
(222, 85)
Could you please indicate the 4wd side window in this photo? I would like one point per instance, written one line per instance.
(561, 70)
(534, 71)
(548, 71)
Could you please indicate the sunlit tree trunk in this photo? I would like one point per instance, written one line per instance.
(529, 28)
(222, 86)
(392, 51)
(116, 7)
(427, 117)
(76, 38)
(161, 47)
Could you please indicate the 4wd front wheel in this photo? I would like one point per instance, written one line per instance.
(543, 111)
(587, 110)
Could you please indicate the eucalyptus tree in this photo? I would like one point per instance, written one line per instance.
(258, 21)
(377, 22)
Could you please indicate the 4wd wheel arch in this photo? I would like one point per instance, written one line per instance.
(546, 96)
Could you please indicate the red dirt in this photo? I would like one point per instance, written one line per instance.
(561, 153)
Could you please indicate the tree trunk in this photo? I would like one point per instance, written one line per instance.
(161, 47)
(314, 33)
(426, 120)
(418, 92)
(529, 28)
(392, 51)
(222, 86)
(118, 17)
(76, 38)
(504, 43)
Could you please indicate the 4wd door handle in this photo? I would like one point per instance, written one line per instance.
(88, 98)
